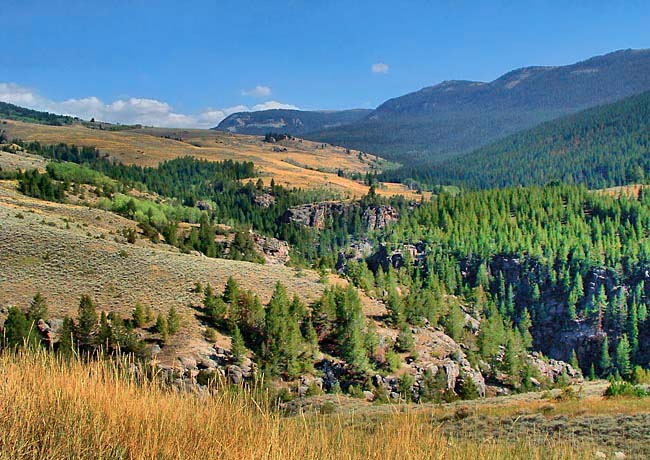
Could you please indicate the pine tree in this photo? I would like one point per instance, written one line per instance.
(482, 278)
(105, 336)
(600, 305)
(275, 345)
(17, 328)
(466, 387)
(605, 362)
(371, 339)
(148, 314)
(350, 322)
(311, 338)
(138, 315)
(173, 321)
(512, 361)
(238, 347)
(395, 307)
(162, 328)
(575, 294)
(405, 341)
(231, 291)
(67, 334)
(37, 309)
(454, 322)
(633, 329)
(87, 318)
(525, 323)
(623, 363)
(510, 302)
(592, 372)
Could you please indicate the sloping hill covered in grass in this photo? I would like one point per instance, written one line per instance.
(291, 163)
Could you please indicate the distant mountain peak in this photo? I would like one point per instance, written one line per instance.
(457, 116)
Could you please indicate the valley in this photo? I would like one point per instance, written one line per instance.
(198, 261)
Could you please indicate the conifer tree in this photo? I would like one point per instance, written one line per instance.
(466, 387)
(238, 347)
(67, 335)
(633, 329)
(148, 314)
(17, 328)
(605, 362)
(231, 291)
(311, 338)
(405, 341)
(525, 323)
(623, 363)
(105, 336)
(139, 319)
(395, 307)
(350, 322)
(162, 328)
(276, 339)
(592, 372)
(173, 321)
(371, 339)
(87, 321)
(37, 309)
(482, 278)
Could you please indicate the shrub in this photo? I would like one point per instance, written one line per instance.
(621, 388)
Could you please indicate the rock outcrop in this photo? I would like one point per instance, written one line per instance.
(316, 215)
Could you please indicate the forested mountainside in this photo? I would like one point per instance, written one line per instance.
(601, 147)
(293, 122)
(572, 264)
(454, 117)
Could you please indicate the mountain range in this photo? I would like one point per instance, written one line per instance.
(295, 122)
(455, 117)
(604, 146)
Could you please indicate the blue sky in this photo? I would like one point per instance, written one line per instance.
(191, 63)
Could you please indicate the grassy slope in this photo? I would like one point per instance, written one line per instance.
(66, 250)
(297, 167)
(68, 411)
(39, 253)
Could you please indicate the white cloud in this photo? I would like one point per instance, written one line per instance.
(379, 67)
(268, 105)
(133, 110)
(258, 91)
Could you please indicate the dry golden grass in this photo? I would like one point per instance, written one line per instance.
(56, 410)
(305, 164)
(630, 191)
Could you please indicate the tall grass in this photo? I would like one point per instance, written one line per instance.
(52, 409)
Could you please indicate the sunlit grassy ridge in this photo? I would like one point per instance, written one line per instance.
(57, 410)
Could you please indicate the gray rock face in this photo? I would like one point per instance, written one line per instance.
(265, 200)
(275, 251)
(377, 217)
(553, 369)
(316, 215)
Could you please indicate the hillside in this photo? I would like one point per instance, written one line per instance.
(292, 163)
(601, 147)
(453, 117)
(13, 112)
(66, 250)
(294, 122)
